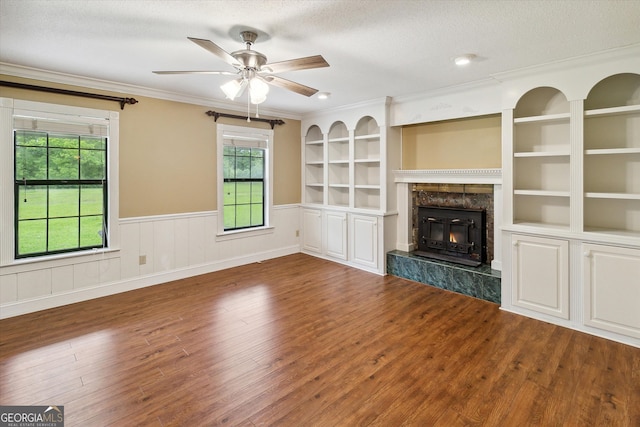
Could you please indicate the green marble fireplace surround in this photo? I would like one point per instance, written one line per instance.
(480, 282)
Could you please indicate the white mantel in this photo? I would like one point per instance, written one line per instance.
(405, 178)
(449, 176)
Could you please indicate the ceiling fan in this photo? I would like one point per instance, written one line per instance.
(253, 71)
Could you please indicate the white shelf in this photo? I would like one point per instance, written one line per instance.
(339, 162)
(366, 137)
(541, 225)
(366, 161)
(314, 184)
(338, 185)
(612, 232)
(341, 139)
(617, 196)
(542, 154)
(599, 151)
(315, 142)
(543, 118)
(369, 187)
(315, 163)
(545, 193)
(613, 111)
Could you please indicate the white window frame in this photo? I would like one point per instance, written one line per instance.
(255, 135)
(10, 107)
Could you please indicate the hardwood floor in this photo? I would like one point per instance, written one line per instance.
(299, 341)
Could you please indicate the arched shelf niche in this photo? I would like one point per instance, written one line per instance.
(314, 166)
(367, 164)
(541, 163)
(612, 156)
(338, 164)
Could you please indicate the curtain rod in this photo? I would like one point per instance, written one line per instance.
(234, 116)
(122, 101)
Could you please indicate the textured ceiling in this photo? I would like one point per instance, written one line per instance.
(375, 48)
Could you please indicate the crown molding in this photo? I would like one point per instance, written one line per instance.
(111, 86)
(376, 102)
(625, 52)
(448, 90)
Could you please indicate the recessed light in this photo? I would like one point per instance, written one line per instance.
(323, 95)
(464, 59)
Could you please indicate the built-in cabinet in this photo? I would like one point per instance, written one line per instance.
(336, 234)
(571, 168)
(546, 289)
(348, 156)
(612, 288)
(364, 235)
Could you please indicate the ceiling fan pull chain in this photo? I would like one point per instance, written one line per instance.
(248, 108)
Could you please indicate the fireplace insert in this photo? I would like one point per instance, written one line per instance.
(452, 234)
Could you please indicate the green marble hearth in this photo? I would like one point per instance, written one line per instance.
(480, 282)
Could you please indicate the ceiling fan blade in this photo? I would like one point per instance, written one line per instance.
(226, 73)
(292, 86)
(306, 63)
(216, 50)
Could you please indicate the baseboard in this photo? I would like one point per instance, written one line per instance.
(623, 339)
(85, 294)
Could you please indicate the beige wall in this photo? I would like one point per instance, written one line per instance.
(168, 152)
(453, 144)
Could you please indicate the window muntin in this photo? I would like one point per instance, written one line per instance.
(60, 192)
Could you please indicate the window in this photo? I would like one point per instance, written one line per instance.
(244, 167)
(60, 192)
(61, 172)
(243, 187)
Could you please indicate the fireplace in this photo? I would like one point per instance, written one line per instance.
(452, 234)
(474, 189)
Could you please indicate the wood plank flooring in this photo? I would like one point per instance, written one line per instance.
(300, 341)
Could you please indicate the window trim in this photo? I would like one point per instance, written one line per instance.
(249, 133)
(10, 107)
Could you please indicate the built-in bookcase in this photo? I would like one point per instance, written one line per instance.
(366, 164)
(350, 204)
(314, 166)
(348, 167)
(541, 159)
(612, 156)
(572, 204)
(338, 148)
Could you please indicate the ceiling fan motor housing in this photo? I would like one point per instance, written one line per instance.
(250, 58)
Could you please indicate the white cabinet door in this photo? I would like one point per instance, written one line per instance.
(312, 230)
(541, 275)
(364, 240)
(612, 288)
(337, 234)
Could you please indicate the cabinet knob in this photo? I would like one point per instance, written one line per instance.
(515, 244)
(587, 254)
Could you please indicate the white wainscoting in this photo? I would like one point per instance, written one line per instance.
(175, 247)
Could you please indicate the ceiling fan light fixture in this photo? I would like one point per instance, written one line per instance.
(258, 90)
(233, 88)
(324, 95)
